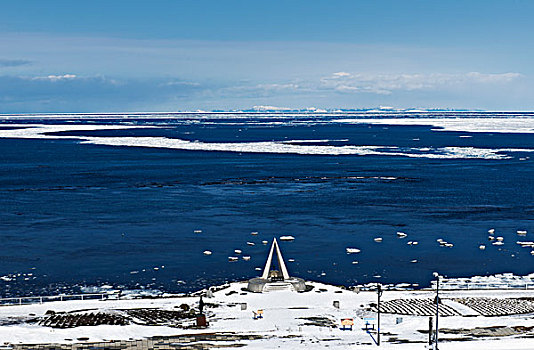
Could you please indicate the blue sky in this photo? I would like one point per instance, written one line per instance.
(98, 56)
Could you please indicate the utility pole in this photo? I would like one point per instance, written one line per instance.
(437, 308)
(430, 331)
(379, 293)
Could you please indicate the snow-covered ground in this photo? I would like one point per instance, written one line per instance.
(289, 320)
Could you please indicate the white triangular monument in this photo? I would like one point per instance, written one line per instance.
(281, 263)
(275, 280)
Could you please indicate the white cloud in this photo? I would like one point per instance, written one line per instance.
(378, 84)
(269, 108)
(57, 77)
(388, 83)
(180, 83)
(493, 78)
(69, 92)
(340, 75)
(277, 87)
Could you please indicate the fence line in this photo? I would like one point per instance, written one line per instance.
(454, 285)
(61, 297)
(444, 285)
(482, 285)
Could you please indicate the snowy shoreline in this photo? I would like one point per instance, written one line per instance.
(502, 281)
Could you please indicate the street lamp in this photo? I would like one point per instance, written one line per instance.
(437, 308)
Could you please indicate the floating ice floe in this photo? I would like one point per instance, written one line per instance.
(42, 131)
(287, 238)
(378, 239)
(352, 250)
(444, 243)
(401, 234)
(476, 124)
(207, 252)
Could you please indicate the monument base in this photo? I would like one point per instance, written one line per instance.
(262, 285)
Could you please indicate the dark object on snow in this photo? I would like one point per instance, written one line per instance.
(201, 306)
(201, 321)
(82, 319)
(158, 317)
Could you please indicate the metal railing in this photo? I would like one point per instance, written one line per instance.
(61, 297)
(483, 285)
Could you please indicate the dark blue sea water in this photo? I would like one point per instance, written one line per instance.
(75, 214)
